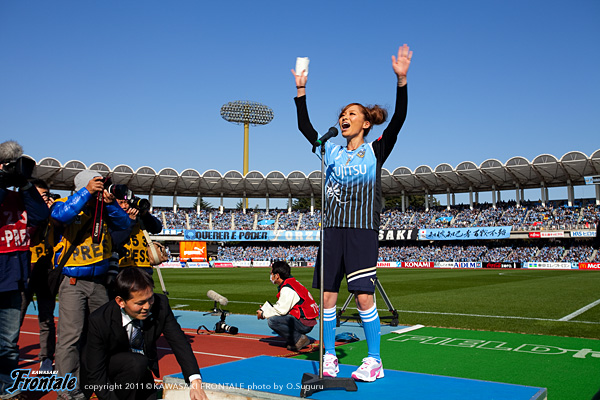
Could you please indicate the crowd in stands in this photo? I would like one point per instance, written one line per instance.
(267, 253)
(478, 253)
(525, 217)
(578, 253)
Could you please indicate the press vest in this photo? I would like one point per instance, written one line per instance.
(14, 235)
(306, 307)
(136, 249)
(82, 260)
(38, 245)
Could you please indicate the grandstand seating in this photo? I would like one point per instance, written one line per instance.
(432, 253)
(527, 217)
(523, 218)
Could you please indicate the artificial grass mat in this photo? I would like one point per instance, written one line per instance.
(568, 367)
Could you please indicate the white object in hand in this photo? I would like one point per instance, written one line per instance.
(302, 65)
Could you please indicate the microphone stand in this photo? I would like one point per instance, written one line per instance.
(312, 383)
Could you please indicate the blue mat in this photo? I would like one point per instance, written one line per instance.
(284, 375)
(245, 323)
(251, 325)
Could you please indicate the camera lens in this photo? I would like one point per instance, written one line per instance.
(221, 327)
(140, 204)
(119, 191)
(231, 329)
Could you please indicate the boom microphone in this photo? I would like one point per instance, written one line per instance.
(10, 151)
(217, 297)
(332, 132)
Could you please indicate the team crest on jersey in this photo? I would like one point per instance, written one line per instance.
(334, 190)
(361, 153)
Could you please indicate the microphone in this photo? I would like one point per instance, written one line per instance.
(332, 132)
(217, 297)
(10, 151)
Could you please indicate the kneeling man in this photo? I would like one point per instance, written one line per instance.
(120, 354)
(295, 313)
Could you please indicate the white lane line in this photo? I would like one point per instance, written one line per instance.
(409, 329)
(496, 316)
(580, 311)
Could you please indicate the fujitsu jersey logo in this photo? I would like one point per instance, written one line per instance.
(343, 171)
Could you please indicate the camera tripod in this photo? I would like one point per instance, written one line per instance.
(388, 303)
(217, 311)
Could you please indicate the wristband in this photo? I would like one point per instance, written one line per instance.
(300, 87)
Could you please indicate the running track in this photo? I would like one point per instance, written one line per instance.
(210, 349)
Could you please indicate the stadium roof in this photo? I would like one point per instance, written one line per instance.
(545, 170)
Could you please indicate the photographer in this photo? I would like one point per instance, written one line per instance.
(84, 253)
(295, 313)
(131, 243)
(42, 251)
(19, 211)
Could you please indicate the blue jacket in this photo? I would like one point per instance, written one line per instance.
(66, 213)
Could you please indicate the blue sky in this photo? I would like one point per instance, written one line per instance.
(142, 82)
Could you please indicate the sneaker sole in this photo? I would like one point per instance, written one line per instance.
(371, 379)
(333, 375)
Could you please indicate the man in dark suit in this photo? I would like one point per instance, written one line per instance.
(120, 354)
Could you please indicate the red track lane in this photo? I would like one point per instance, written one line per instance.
(209, 349)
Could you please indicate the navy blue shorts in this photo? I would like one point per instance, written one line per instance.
(348, 252)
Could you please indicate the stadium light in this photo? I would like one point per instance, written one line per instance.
(246, 112)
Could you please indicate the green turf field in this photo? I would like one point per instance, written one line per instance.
(523, 301)
(567, 367)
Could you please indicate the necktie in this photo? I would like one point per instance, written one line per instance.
(136, 340)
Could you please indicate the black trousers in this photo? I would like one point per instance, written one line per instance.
(129, 377)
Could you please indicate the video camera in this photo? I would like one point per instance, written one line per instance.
(122, 192)
(16, 168)
(222, 327)
(16, 172)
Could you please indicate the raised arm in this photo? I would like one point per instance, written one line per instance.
(302, 111)
(400, 64)
(300, 82)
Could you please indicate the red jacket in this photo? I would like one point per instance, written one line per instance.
(306, 307)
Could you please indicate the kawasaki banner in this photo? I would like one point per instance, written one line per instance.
(398, 234)
(495, 232)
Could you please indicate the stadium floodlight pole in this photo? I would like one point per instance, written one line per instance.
(248, 113)
(312, 383)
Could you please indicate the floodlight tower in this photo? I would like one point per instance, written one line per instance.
(246, 112)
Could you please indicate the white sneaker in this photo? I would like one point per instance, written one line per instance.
(370, 370)
(330, 365)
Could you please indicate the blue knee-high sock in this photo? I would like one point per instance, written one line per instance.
(329, 321)
(372, 327)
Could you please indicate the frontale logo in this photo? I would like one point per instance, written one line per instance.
(26, 380)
